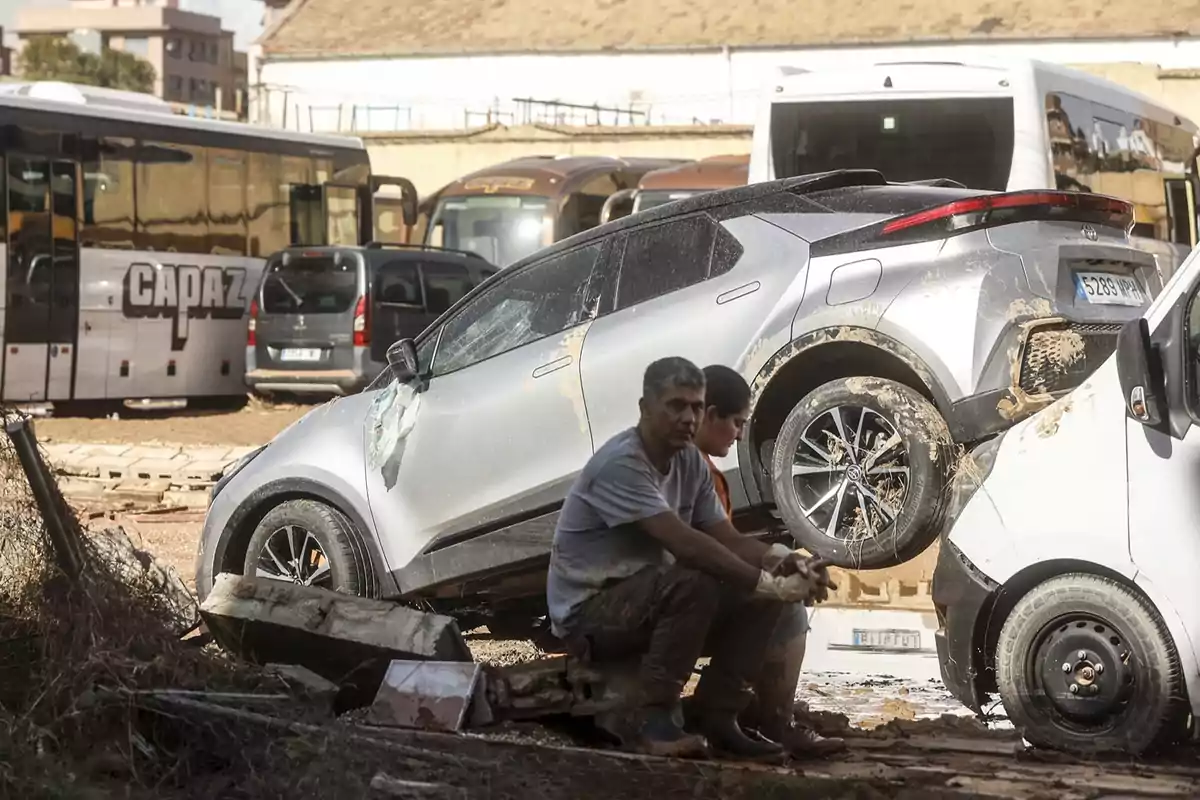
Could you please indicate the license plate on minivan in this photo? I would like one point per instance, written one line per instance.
(887, 639)
(1110, 289)
(300, 354)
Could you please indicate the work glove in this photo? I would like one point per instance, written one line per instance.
(795, 588)
(776, 555)
(782, 561)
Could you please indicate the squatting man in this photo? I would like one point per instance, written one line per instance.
(647, 563)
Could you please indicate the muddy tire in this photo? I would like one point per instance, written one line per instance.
(309, 543)
(1129, 695)
(860, 472)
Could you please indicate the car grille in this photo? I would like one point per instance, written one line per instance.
(1058, 358)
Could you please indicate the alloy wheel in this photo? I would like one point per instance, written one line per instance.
(294, 555)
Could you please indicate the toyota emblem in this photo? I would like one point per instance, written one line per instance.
(1089, 233)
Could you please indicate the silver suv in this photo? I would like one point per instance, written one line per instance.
(880, 326)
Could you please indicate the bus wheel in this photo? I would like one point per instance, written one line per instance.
(308, 543)
(859, 472)
(1085, 664)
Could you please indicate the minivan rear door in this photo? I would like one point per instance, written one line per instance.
(408, 293)
(307, 305)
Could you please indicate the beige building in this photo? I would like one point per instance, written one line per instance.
(192, 56)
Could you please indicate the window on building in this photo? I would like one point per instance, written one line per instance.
(665, 258)
(174, 47)
(137, 45)
(108, 195)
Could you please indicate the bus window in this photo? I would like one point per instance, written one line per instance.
(267, 206)
(501, 228)
(176, 220)
(306, 215)
(108, 213)
(341, 206)
(967, 139)
(226, 202)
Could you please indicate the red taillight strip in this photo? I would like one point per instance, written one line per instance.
(362, 332)
(972, 205)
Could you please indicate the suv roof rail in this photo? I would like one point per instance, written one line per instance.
(432, 247)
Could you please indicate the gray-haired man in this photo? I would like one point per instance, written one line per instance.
(646, 562)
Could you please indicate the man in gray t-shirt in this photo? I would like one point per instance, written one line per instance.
(646, 563)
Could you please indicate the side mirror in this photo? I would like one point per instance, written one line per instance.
(402, 359)
(1140, 374)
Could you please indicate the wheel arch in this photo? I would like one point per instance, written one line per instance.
(999, 606)
(813, 359)
(230, 552)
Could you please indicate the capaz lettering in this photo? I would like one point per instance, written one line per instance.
(183, 292)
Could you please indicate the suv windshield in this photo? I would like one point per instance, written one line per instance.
(967, 139)
(325, 283)
(501, 228)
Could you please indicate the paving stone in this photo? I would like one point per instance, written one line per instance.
(151, 468)
(80, 466)
(83, 489)
(108, 466)
(109, 450)
(154, 453)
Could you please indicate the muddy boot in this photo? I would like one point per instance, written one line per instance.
(658, 734)
(729, 740)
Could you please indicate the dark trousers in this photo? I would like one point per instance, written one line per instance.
(671, 616)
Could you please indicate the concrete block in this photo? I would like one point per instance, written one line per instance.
(111, 467)
(81, 466)
(58, 452)
(152, 468)
(305, 682)
(186, 498)
(156, 453)
(84, 489)
(345, 639)
(109, 450)
(431, 695)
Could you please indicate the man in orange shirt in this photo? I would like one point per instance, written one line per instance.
(727, 406)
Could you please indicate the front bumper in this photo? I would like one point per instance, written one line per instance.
(334, 381)
(961, 593)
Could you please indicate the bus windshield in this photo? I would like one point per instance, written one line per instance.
(966, 139)
(651, 198)
(501, 228)
(316, 284)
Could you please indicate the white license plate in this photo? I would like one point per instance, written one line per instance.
(887, 639)
(1107, 288)
(301, 354)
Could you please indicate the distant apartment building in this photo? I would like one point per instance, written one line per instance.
(6, 56)
(193, 57)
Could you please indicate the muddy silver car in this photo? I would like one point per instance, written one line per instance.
(881, 326)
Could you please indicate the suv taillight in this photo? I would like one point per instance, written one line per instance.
(252, 326)
(362, 336)
(1002, 209)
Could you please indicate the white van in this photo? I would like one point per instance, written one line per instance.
(1069, 574)
(1002, 125)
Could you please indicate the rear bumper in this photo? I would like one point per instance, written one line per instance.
(337, 382)
(1034, 363)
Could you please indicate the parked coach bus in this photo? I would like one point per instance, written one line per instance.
(134, 238)
(1004, 125)
(509, 210)
(676, 183)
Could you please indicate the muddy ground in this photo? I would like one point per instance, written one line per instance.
(258, 422)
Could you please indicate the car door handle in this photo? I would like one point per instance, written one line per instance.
(741, 291)
(553, 366)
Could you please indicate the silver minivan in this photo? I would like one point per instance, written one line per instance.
(323, 317)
